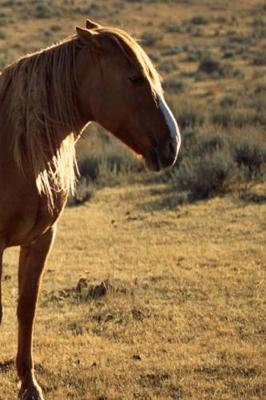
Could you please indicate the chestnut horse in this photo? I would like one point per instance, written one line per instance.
(46, 99)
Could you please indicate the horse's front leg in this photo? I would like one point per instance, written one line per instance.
(1, 272)
(31, 265)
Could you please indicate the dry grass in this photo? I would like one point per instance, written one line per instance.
(186, 319)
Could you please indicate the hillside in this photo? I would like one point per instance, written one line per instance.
(155, 288)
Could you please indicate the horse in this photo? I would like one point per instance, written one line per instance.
(47, 98)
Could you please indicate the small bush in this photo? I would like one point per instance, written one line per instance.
(195, 54)
(84, 192)
(228, 101)
(200, 20)
(259, 59)
(171, 27)
(171, 51)
(188, 115)
(208, 175)
(2, 35)
(221, 19)
(167, 65)
(44, 10)
(173, 84)
(229, 53)
(150, 38)
(210, 165)
(249, 154)
(221, 117)
(210, 66)
(4, 19)
(55, 28)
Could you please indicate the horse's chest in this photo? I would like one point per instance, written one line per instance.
(30, 219)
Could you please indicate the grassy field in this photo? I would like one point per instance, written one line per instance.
(155, 288)
(181, 316)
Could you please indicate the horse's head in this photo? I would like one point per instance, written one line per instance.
(121, 90)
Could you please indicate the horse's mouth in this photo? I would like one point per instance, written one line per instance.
(153, 160)
(158, 160)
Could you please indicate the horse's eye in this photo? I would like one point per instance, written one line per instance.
(137, 80)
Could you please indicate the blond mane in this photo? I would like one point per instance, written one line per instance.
(38, 94)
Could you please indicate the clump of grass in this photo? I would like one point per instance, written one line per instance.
(207, 175)
(171, 51)
(195, 55)
(211, 164)
(210, 66)
(173, 84)
(259, 59)
(225, 117)
(149, 38)
(230, 53)
(105, 168)
(249, 154)
(2, 35)
(200, 20)
(188, 114)
(4, 18)
(221, 117)
(44, 10)
(55, 28)
(228, 101)
(85, 190)
(171, 27)
(167, 65)
(102, 161)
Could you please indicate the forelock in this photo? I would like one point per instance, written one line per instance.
(135, 55)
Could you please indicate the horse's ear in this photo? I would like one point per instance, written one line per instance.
(92, 25)
(86, 36)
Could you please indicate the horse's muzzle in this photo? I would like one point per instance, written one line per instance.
(163, 157)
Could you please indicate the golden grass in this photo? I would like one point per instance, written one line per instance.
(189, 324)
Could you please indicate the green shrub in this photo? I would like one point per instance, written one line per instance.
(85, 190)
(259, 59)
(210, 66)
(207, 175)
(108, 166)
(195, 54)
(228, 101)
(150, 38)
(46, 10)
(221, 117)
(210, 164)
(229, 53)
(200, 20)
(55, 28)
(171, 51)
(171, 27)
(173, 84)
(2, 35)
(167, 65)
(250, 154)
(191, 117)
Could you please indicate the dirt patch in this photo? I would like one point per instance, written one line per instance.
(86, 291)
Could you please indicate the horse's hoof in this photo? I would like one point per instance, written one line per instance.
(34, 393)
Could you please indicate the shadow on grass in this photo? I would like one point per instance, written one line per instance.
(253, 198)
(6, 366)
